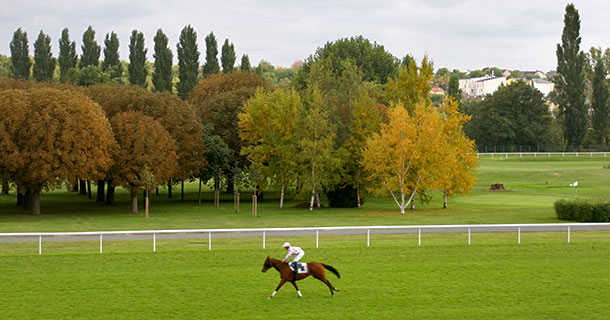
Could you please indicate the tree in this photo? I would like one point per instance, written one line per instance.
(20, 55)
(54, 136)
(228, 57)
(188, 62)
(67, 55)
(453, 89)
(44, 63)
(245, 65)
(211, 56)
(412, 84)
(266, 124)
(319, 163)
(457, 174)
(145, 147)
(112, 61)
(90, 48)
(162, 76)
(570, 81)
(600, 120)
(137, 59)
(377, 64)
(405, 157)
(218, 156)
(515, 115)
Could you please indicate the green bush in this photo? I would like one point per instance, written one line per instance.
(582, 211)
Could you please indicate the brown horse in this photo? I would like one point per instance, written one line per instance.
(314, 269)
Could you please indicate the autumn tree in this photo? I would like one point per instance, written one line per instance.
(405, 157)
(267, 124)
(162, 76)
(245, 65)
(20, 56)
(67, 55)
(218, 99)
(412, 84)
(53, 136)
(457, 174)
(188, 62)
(144, 147)
(44, 63)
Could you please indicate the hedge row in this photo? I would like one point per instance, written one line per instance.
(582, 211)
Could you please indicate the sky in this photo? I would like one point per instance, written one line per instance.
(456, 34)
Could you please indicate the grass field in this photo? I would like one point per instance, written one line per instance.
(544, 277)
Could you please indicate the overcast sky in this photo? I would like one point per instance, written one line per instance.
(465, 35)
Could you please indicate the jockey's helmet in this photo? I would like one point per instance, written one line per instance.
(286, 245)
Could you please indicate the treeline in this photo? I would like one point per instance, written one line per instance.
(320, 136)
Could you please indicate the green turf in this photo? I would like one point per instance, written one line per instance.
(390, 280)
(533, 183)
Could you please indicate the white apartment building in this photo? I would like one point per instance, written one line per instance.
(480, 87)
(543, 86)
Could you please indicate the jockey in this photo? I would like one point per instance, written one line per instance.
(293, 251)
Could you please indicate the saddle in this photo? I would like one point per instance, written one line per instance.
(301, 267)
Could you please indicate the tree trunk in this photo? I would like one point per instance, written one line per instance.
(282, 198)
(27, 199)
(35, 202)
(230, 180)
(199, 193)
(169, 188)
(134, 201)
(89, 188)
(358, 195)
(83, 187)
(445, 199)
(19, 199)
(101, 184)
(5, 187)
(110, 194)
(318, 199)
(182, 192)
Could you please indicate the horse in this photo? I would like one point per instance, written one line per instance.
(314, 269)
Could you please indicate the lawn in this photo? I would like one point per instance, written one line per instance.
(390, 280)
(533, 184)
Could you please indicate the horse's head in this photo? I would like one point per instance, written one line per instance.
(266, 265)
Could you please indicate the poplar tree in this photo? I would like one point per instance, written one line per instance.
(90, 48)
(44, 63)
(227, 57)
(188, 61)
(245, 65)
(137, 59)
(600, 120)
(67, 54)
(570, 81)
(112, 62)
(162, 76)
(211, 55)
(20, 55)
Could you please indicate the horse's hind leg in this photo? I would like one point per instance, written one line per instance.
(330, 286)
(276, 289)
(294, 283)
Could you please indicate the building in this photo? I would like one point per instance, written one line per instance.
(543, 86)
(480, 87)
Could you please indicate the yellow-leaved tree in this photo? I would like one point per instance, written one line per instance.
(405, 157)
(457, 174)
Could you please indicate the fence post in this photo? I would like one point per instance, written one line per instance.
(468, 236)
(317, 234)
(40, 245)
(154, 242)
(368, 238)
(519, 237)
(210, 241)
(568, 234)
(101, 243)
(264, 239)
(419, 237)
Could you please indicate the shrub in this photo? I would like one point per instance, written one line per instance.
(582, 211)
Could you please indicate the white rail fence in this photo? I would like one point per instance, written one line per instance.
(292, 232)
(536, 154)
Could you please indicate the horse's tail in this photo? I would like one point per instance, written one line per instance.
(331, 269)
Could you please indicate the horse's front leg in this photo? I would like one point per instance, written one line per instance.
(294, 283)
(276, 289)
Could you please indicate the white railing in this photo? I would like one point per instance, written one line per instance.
(536, 154)
(277, 232)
